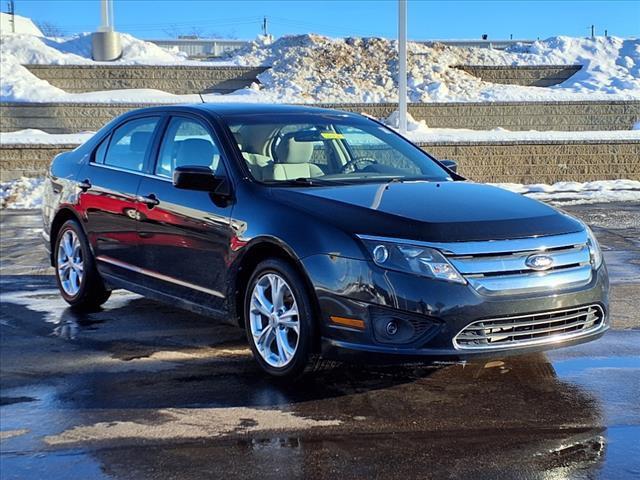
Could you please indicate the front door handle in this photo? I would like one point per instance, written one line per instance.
(85, 185)
(150, 200)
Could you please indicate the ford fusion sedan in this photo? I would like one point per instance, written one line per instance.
(323, 234)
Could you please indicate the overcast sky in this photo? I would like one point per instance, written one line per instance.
(427, 19)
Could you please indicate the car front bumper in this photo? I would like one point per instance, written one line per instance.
(357, 289)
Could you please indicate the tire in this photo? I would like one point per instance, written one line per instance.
(77, 278)
(271, 353)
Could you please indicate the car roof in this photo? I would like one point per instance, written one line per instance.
(232, 109)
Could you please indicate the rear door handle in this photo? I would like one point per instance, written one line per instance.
(150, 200)
(85, 185)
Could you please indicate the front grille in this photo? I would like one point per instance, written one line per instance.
(535, 328)
(503, 267)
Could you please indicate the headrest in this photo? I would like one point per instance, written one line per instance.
(195, 151)
(290, 151)
(139, 141)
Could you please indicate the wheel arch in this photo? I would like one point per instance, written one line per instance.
(259, 250)
(63, 215)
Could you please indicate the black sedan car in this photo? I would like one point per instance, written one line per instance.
(323, 233)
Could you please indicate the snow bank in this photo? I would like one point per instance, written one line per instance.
(314, 68)
(17, 24)
(19, 84)
(573, 193)
(22, 193)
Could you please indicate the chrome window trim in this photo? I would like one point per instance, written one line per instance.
(539, 341)
(529, 244)
(159, 276)
(133, 172)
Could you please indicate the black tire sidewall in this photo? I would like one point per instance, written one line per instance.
(305, 317)
(87, 258)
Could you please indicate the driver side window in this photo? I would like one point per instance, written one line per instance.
(187, 142)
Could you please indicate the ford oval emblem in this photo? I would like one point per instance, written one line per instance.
(539, 262)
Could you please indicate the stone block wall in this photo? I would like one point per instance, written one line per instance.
(518, 162)
(517, 116)
(175, 79)
(527, 75)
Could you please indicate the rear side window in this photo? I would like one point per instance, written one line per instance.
(98, 156)
(130, 144)
(187, 142)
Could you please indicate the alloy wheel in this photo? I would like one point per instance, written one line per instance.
(70, 263)
(274, 320)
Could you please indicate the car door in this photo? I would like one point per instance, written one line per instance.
(185, 234)
(109, 183)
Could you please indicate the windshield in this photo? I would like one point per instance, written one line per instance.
(317, 149)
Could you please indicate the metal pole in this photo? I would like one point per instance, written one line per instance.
(402, 66)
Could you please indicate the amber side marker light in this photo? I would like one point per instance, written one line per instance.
(348, 322)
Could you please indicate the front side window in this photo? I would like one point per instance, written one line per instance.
(130, 144)
(328, 149)
(187, 142)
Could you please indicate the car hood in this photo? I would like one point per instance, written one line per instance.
(429, 211)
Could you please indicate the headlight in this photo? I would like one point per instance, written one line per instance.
(594, 249)
(405, 257)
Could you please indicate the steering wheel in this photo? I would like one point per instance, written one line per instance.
(354, 164)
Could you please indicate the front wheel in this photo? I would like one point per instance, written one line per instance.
(279, 320)
(76, 275)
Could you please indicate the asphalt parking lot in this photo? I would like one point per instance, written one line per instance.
(141, 390)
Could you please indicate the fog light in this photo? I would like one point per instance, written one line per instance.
(392, 327)
(380, 254)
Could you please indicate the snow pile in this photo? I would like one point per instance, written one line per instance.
(76, 50)
(32, 136)
(22, 193)
(573, 193)
(19, 84)
(17, 24)
(314, 68)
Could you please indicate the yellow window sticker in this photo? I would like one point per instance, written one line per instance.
(332, 135)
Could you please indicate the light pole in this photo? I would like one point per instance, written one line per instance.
(402, 66)
(105, 42)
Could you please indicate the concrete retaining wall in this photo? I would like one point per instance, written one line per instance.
(519, 162)
(172, 78)
(527, 75)
(563, 116)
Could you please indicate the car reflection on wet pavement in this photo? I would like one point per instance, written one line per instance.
(140, 390)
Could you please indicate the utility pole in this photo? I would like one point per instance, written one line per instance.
(593, 31)
(106, 45)
(12, 15)
(264, 26)
(402, 66)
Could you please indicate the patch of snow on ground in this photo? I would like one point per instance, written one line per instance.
(32, 136)
(573, 193)
(22, 193)
(313, 68)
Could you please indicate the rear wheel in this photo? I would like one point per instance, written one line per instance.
(279, 320)
(76, 275)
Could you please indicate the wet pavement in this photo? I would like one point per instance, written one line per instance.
(141, 390)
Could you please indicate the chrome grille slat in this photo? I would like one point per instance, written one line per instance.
(516, 262)
(524, 333)
(500, 267)
(494, 323)
(522, 330)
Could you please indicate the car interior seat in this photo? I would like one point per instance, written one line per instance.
(293, 160)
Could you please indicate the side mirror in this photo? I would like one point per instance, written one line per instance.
(450, 164)
(193, 177)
